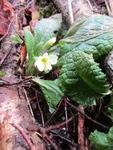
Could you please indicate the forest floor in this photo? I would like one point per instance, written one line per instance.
(70, 125)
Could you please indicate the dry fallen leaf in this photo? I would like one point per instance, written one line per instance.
(6, 13)
(23, 54)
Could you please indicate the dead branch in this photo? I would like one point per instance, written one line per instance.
(81, 145)
(109, 4)
(87, 117)
(20, 129)
(72, 9)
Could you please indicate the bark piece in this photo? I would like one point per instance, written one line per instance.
(15, 110)
(109, 4)
(13, 105)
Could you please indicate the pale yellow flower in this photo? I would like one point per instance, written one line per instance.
(49, 43)
(52, 41)
(45, 62)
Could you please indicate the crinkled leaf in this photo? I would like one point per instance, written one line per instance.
(47, 28)
(90, 72)
(102, 140)
(29, 42)
(94, 36)
(91, 28)
(110, 137)
(110, 111)
(50, 90)
(99, 140)
(71, 83)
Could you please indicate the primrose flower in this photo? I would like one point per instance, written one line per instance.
(49, 43)
(52, 41)
(45, 62)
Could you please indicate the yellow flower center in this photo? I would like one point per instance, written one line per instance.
(44, 59)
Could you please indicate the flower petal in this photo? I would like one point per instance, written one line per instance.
(47, 66)
(43, 63)
(51, 41)
(45, 55)
(52, 59)
(39, 64)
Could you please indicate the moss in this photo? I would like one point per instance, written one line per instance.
(2, 73)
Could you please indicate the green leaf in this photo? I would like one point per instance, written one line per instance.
(110, 137)
(93, 27)
(94, 36)
(29, 42)
(37, 51)
(110, 107)
(74, 27)
(30, 69)
(102, 140)
(47, 28)
(50, 90)
(71, 82)
(90, 72)
(80, 76)
(49, 43)
(16, 39)
(99, 140)
(110, 110)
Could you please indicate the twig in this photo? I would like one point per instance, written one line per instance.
(41, 113)
(70, 12)
(28, 102)
(58, 125)
(81, 142)
(87, 117)
(45, 136)
(109, 4)
(20, 129)
(5, 82)
(7, 30)
(44, 131)
(53, 114)
(52, 144)
(65, 109)
(90, 5)
(48, 129)
(64, 138)
(5, 56)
